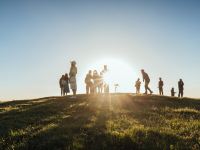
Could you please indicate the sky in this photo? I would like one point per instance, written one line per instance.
(38, 39)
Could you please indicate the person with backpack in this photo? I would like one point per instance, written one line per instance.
(89, 83)
(160, 86)
(137, 85)
(146, 79)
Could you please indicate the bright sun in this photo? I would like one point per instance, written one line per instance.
(119, 72)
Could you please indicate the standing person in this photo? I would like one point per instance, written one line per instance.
(88, 82)
(61, 85)
(180, 88)
(66, 84)
(72, 78)
(172, 92)
(160, 86)
(146, 79)
(95, 80)
(100, 85)
(137, 85)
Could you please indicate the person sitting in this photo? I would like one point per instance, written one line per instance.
(172, 92)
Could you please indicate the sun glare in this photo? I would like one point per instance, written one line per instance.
(118, 73)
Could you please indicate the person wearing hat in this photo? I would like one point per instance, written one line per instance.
(72, 78)
(146, 79)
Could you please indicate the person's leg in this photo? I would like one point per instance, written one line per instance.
(87, 89)
(149, 88)
(179, 93)
(146, 87)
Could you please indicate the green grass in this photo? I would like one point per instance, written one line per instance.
(118, 121)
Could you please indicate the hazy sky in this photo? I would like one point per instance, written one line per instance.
(39, 38)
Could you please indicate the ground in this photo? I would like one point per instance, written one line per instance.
(103, 122)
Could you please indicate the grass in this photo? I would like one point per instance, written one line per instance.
(116, 121)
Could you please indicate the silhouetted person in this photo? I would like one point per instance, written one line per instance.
(180, 88)
(160, 86)
(95, 80)
(146, 79)
(100, 85)
(61, 85)
(72, 78)
(66, 84)
(137, 86)
(172, 92)
(88, 82)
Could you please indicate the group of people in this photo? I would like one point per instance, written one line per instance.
(95, 82)
(146, 79)
(65, 80)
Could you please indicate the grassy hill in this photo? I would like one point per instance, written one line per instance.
(117, 121)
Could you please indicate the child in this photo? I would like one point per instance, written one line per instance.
(172, 92)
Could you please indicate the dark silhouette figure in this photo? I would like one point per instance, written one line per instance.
(160, 86)
(137, 86)
(146, 79)
(66, 85)
(180, 88)
(72, 78)
(61, 84)
(173, 92)
(95, 80)
(89, 83)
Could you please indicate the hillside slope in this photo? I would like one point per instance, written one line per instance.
(118, 121)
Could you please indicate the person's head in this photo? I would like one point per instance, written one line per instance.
(138, 79)
(63, 76)
(142, 70)
(90, 71)
(95, 72)
(160, 78)
(181, 80)
(73, 63)
(172, 88)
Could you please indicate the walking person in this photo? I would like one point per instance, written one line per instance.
(137, 86)
(66, 85)
(146, 79)
(160, 86)
(89, 83)
(180, 88)
(72, 78)
(61, 84)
